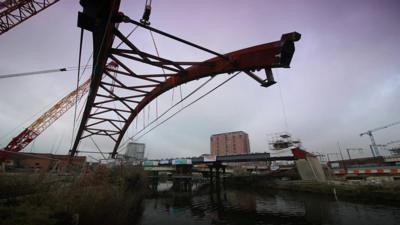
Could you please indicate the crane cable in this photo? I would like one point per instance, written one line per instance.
(145, 21)
(87, 63)
(146, 14)
(77, 84)
(63, 69)
(98, 148)
(158, 54)
(186, 106)
(283, 107)
(173, 106)
(180, 110)
(165, 78)
(85, 67)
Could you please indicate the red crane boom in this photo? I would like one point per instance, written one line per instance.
(43, 122)
(48, 118)
(14, 12)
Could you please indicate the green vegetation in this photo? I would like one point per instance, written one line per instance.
(103, 197)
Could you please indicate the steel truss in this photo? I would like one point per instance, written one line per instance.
(14, 12)
(117, 95)
(44, 121)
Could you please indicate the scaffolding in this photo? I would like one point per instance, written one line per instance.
(283, 140)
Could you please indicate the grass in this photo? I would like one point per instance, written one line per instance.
(106, 196)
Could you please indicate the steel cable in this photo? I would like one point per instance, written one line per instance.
(186, 106)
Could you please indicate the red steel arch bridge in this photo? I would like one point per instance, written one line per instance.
(118, 92)
(112, 104)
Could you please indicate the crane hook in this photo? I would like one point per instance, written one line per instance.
(146, 14)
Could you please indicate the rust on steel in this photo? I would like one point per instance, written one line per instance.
(253, 58)
(109, 113)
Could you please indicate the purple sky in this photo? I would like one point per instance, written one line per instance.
(345, 75)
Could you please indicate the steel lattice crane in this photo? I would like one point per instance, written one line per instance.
(14, 12)
(374, 147)
(48, 118)
(43, 122)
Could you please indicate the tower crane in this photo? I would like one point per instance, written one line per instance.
(374, 147)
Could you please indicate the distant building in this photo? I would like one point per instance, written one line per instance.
(394, 150)
(135, 152)
(232, 143)
(43, 162)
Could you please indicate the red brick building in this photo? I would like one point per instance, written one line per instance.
(43, 161)
(232, 143)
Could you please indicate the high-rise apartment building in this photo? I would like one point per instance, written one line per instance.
(232, 143)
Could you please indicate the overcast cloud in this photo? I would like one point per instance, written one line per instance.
(345, 75)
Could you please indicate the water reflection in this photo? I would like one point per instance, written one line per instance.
(206, 205)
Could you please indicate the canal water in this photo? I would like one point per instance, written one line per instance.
(238, 206)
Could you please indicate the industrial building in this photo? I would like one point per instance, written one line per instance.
(42, 162)
(135, 153)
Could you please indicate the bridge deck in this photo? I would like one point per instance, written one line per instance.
(226, 159)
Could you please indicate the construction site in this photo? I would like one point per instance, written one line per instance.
(207, 120)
